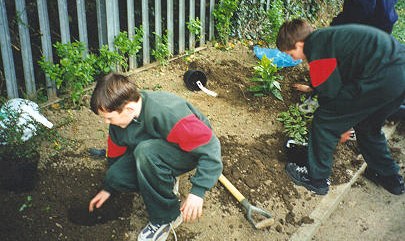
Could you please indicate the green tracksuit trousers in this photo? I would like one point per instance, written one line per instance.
(152, 173)
(366, 114)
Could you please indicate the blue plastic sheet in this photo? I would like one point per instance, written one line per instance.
(280, 59)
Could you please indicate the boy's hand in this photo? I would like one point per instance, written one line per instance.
(303, 88)
(192, 208)
(99, 200)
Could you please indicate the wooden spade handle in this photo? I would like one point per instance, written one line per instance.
(231, 188)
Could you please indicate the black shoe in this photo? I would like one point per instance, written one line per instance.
(393, 183)
(299, 175)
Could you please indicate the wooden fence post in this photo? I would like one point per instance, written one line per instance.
(46, 44)
(170, 27)
(131, 29)
(7, 53)
(145, 25)
(64, 21)
(26, 51)
(82, 22)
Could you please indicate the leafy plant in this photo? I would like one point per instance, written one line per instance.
(73, 72)
(296, 122)
(161, 51)
(223, 13)
(127, 47)
(108, 60)
(254, 23)
(266, 79)
(194, 26)
(276, 17)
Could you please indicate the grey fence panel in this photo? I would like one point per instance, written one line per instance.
(101, 22)
(7, 54)
(64, 21)
(170, 26)
(81, 17)
(46, 43)
(131, 29)
(211, 31)
(191, 17)
(145, 25)
(26, 52)
(182, 30)
(202, 19)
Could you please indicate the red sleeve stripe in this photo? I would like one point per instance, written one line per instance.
(321, 69)
(190, 133)
(115, 150)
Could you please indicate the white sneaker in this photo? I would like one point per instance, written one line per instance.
(159, 232)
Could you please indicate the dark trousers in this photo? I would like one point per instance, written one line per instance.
(151, 169)
(366, 114)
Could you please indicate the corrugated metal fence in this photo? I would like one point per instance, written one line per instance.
(105, 23)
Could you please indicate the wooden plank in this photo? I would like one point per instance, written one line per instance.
(158, 18)
(212, 23)
(7, 53)
(145, 25)
(82, 24)
(26, 52)
(182, 32)
(46, 44)
(202, 19)
(131, 29)
(64, 21)
(101, 22)
(110, 14)
(170, 26)
(191, 17)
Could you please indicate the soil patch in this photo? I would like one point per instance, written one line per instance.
(253, 150)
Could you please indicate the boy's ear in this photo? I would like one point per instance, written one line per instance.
(299, 44)
(130, 106)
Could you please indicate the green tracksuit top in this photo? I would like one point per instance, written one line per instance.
(347, 61)
(171, 118)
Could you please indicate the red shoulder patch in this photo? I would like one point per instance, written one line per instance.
(190, 133)
(321, 69)
(115, 150)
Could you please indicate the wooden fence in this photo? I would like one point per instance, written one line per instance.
(107, 19)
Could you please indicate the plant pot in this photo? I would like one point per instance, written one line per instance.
(19, 174)
(191, 77)
(297, 152)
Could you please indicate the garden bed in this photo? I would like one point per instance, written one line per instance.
(252, 150)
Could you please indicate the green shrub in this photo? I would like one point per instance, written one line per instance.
(73, 72)
(223, 13)
(296, 122)
(161, 51)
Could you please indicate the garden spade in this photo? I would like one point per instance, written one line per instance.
(263, 218)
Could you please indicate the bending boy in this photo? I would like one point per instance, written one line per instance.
(153, 138)
(359, 74)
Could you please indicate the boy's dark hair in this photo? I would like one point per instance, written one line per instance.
(112, 93)
(291, 32)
